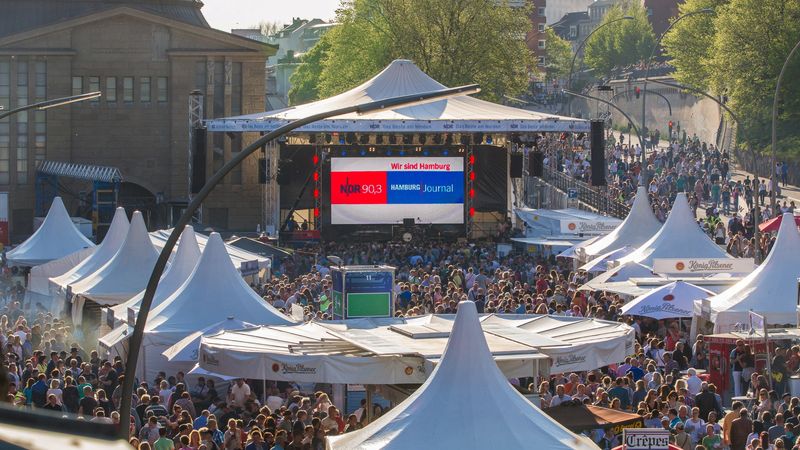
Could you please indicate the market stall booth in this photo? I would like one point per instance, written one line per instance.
(580, 418)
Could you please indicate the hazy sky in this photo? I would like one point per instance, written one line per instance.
(227, 14)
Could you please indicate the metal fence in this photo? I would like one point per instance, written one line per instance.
(598, 197)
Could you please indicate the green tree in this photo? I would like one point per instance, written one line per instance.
(690, 43)
(306, 78)
(454, 41)
(558, 55)
(752, 40)
(622, 43)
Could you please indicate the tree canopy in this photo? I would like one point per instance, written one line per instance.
(558, 55)
(621, 43)
(454, 41)
(739, 53)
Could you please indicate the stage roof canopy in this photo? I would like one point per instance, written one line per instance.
(403, 77)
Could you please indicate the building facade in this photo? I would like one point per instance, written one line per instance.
(557, 9)
(145, 57)
(660, 13)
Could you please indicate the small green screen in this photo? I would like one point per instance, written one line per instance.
(337, 303)
(368, 305)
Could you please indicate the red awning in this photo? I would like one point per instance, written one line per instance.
(775, 223)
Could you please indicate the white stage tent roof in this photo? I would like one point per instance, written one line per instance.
(39, 277)
(770, 290)
(105, 251)
(56, 238)
(182, 265)
(400, 78)
(465, 397)
(679, 237)
(123, 276)
(669, 301)
(637, 228)
(401, 350)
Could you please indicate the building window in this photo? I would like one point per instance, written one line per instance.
(22, 123)
(541, 11)
(236, 89)
(162, 89)
(541, 28)
(41, 81)
(94, 86)
(111, 90)
(200, 76)
(573, 32)
(542, 44)
(40, 135)
(77, 85)
(127, 89)
(5, 155)
(541, 61)
(144, 89)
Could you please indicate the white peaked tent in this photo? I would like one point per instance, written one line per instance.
(105, 251)
(214, 290)
(56, 238)
(120, 278)
(600, 263)
(770, 290)
(639, 226)
(39, 277)
(182, 265)
(622, 272)
(670, 301)
(679, 237)
(187, 349)
(402, 77)
(466, 403)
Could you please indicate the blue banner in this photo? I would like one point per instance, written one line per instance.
(424, 188)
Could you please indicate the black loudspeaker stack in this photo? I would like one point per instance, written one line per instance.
(515, 169)
(598, 153)
(198, 159)
(536, 164)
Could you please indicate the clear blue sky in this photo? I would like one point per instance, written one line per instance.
(227, 14)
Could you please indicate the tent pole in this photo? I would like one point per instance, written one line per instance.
(264, 392)
(368, 409)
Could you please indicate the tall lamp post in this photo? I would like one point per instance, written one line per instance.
(52, 103)
(169, 245)
(653, 53)
(581, 45)
(775, 126)
(756, 211)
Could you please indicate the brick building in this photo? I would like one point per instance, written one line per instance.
(146, 56)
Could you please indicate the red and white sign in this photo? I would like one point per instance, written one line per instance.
(703, 265)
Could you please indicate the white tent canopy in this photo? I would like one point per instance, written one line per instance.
(401, 78)
(186, 257)
(39, 277)
(679, 237)
(623, 272)
(770, 290)
(120, 278)
(56, 238)
(600, 263)
(637, 228)
(105, 251)
(670, 301)
(188, 348)
(467, 402)
(214, 290)
(237, 255)
(381, 351)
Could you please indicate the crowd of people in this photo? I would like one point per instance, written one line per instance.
(48, 369)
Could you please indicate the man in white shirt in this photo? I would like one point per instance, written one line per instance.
(239, 393)
(560, 396)
(693, 383)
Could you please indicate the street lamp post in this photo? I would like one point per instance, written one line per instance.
(169, 245)
(52, 103)
(581, 45)
(775, 126)
(650, 59)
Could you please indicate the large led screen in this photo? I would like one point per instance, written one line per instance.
(388, 190)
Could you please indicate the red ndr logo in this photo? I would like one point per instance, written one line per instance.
(276, 367)
(571, 227)
(680, 265)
